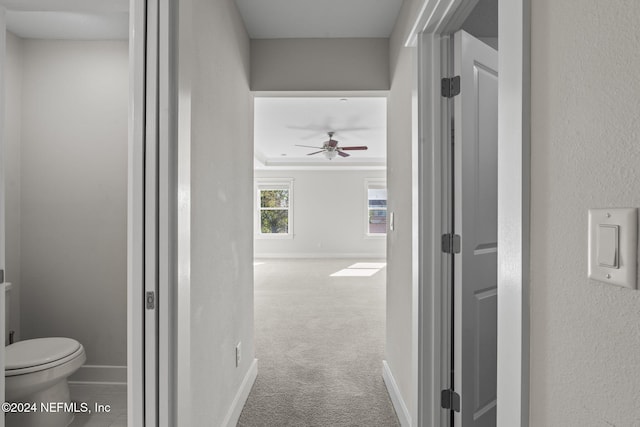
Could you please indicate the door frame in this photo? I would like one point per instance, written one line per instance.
(436, 19)
(135, 215)
(152, 214)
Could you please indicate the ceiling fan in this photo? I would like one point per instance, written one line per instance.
(330, 148)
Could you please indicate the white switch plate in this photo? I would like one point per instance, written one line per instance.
(626, 219)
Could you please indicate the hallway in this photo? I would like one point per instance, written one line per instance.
(320, 346)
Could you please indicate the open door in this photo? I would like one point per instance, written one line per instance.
(475, 198)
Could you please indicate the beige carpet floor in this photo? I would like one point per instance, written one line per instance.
(320, 346)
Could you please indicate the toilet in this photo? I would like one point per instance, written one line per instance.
(36, 371)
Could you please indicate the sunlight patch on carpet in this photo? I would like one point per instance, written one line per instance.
(360, 269)
(377, 265)
(356, 272)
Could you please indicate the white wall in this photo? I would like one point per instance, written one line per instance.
(329, 209)
(215, 87)
(400, 292)
(12, 134)
(320, 64)
(585, 147)
(72, 177)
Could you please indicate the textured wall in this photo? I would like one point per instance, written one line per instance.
(320, 64)
(74, 195)
(400, 328)
(585, 335)
(221, 309)
(12, 134)
(329, 216)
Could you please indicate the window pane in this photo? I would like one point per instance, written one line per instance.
(274, 198)
(377, 203)
(274, 222)
(377, 221)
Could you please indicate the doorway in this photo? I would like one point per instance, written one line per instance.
(93, 197)
(512, 238)
(320, 240)
(65, 141)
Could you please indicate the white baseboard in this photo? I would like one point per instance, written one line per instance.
(241, 396)
(323, 255)
(99, 374)
(396, 398)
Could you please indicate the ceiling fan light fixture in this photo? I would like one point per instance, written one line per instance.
(330, 154)
(330, 148)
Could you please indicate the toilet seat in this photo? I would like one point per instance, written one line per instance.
(38, 354)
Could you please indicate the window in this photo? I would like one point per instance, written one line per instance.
(274, 216)
(376, 208)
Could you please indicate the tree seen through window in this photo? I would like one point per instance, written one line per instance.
(274, 211)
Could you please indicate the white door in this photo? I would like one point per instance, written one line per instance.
(475, 221)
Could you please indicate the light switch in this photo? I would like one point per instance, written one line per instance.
(613, 246)
(608, 246)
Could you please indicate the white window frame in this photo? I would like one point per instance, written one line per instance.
(273, 184)
(367, 183)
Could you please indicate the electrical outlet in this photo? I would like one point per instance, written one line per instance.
(238, 354)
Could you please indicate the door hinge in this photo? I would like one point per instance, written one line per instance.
(1, 276)
(451, 243)
(449, 399)
(151, 300)
(450, 86)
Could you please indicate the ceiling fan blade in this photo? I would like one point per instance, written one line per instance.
(327, 128)
(358, 147)
(352, 129)
(304, 133)
(340, 153)
(315, 152)
(308, 146)
(311, 127)
(304, 128)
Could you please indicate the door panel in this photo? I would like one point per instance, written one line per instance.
(475, 220)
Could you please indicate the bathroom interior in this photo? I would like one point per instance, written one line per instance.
(66, 84)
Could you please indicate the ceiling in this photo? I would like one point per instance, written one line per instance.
(68, 19)
(274, 19)
(483, 20)
(108, 19)
(281, 123)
